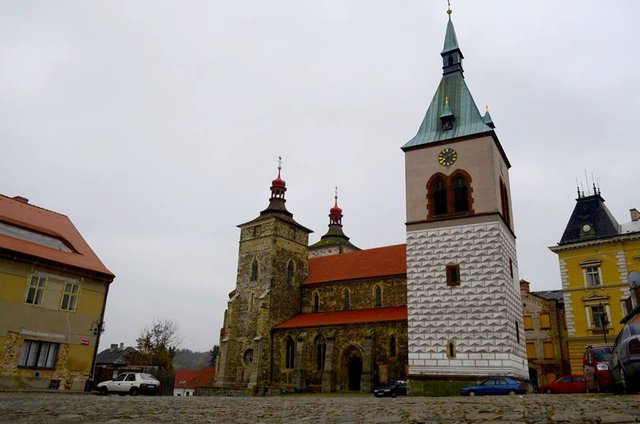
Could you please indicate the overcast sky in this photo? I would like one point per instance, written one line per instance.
(156, 125)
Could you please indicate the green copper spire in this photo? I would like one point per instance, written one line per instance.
(452, 112)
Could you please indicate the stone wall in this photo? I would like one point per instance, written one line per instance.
(362, 294)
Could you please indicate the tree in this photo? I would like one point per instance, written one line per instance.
(157, 344)
(214, 355)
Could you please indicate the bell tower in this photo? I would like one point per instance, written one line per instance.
(463, 297)
(272, 264)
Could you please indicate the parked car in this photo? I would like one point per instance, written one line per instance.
(625, 359)
(132, 383)
(596, 367)
(566, 384)
(495, 386)
(393, 389)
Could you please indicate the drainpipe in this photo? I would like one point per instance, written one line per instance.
(91, 381)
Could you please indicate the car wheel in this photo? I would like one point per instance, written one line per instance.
(548, 391)
(134, 391)
(512, 392)
(472, 393)
(103, 391)
(393, 394)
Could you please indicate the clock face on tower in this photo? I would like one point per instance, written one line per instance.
(447, 157)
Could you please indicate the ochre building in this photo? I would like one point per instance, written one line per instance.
(52, 299)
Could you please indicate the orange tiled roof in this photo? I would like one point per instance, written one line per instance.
(353, 316)
(378, 262)
(43, 221)
(190, 379)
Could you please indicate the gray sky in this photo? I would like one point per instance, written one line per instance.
(156, 125)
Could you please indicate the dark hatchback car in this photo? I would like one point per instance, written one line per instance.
(393, 389)
(625, 359)
(495, 386)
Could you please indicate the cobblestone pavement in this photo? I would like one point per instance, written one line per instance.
(532, 408)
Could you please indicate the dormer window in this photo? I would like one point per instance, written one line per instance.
(447, 117)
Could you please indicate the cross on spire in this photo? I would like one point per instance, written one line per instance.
(279, 165)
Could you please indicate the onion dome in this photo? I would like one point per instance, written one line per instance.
(335, 213)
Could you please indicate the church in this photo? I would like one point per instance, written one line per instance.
(440, 311)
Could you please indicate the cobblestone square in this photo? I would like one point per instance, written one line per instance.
(532, 408)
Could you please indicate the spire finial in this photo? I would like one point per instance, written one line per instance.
(279, 165)
(486, 108)
(449, 11)
(336, 195)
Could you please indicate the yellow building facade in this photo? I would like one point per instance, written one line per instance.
(596, 256)
(52, 299)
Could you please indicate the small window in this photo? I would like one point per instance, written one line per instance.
(392, 346)
(511, 267)
(37, 354)
(517, 332)
(290, 353)
(254, 271)
(69, 296)
(290, 270)
(592, 276)
(316, 302)
(453, 275)
(451, 349)
(531, 350)
(528, 322)
(548, 350)
(545, 321)
(35, 290)
(378, 297)
(599, 317)
(347, 300)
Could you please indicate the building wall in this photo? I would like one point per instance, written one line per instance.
(71, 331)
(371, 341)
(482, 316)
(258, 305)
(547, 365)
(615, 259)
(361, 292)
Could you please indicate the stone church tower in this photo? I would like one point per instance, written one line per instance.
(463, 297)
(272, 265)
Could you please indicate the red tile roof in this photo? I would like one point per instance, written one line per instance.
(354, 316)
(378, 262)
(39, 220)
(190, 379)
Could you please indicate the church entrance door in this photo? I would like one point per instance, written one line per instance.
(351, 369)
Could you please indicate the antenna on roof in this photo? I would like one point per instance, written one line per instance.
(578, 188)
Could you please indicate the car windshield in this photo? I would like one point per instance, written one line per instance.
(602, 355)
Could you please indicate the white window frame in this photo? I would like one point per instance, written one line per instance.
(586, 274)
(589, 315)
(38, 354)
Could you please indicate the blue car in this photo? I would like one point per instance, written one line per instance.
(495, 386)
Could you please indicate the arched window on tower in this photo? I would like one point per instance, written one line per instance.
(460, 194)
(316, 302)
(347, 300)
(378, 297)
(504, 200)
(290, 270)
(320, 351)
(254, 271)
(289, 353)
(439, 198)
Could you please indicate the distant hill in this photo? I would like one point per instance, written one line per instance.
(186, 359)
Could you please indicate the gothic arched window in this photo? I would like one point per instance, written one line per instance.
(460, 194)
(289, 353)
(439, 198)
(347, 300)
(254, 271)
(290, 270)
(504, 200)
(392, 346)
(320, 351)
(378, 297)
(316, 302)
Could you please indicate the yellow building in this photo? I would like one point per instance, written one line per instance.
(596, 256)
(53, 291)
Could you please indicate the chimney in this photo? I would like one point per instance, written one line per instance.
(524, 286)
(25, 200)
(635, 215)
(113, 347)
(121, 346)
